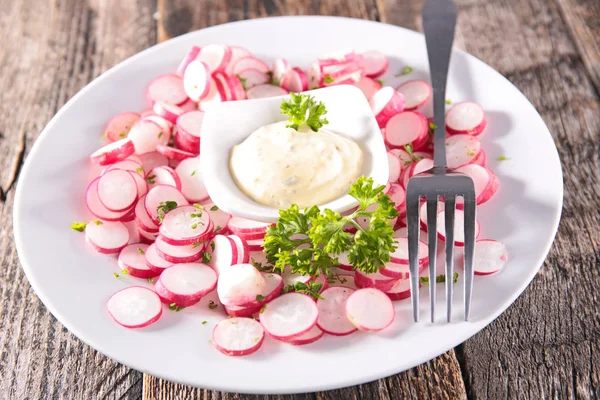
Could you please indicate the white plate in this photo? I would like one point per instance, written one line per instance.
(74, 283)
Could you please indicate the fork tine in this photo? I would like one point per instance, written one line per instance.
(450, 203)
(432, 244)
(469, 213)
(412, 220)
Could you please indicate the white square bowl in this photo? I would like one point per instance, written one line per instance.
(230, 123)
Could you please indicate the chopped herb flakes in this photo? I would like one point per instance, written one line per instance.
(78, 226)
(140, 251)
(212, 305)
(214, 208)
(405, 71)
(502, 158)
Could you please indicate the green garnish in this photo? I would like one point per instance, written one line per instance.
(206, 257)
(259, 266)
(438, 279)
(214, 208)
(116, 275)
(140, 251)
(242, 81)
(212, 246)
(198, 206)
(194, 226)
(260, 297)
(150, 179)
(405, 71)
(328, 79)
(311, 288)
(193, 173)
(96, 222)
(165, 207)
(380, 81)
(140, 169)
(122, 134)
(262, 310)
(448, 101)
(150, 280)
(409, 149)
(470, 152)
(256, 339)
(78, 226)
(432, 126)
(204, 322)
(303, 109)
(502, 158)
(196, 215)
(125, 272)
(212, 305)
(271, 79)
(175, 307)
(160, 135)
(368, 249)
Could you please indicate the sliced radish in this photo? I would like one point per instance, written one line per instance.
(187, 59)
(480, 158)
(118, 127)
(241, 226)
(253, 77)
(374, 280)
(332, 311)
(113, 152)
(370, 310)
(405, 128)
(416, 168)
(158, 196)
(459, 227)
(167, 88)
(182, 142)
(147, 112)
(178, 254)
(262, 91)
(339, 57)
(240, 285)
(237, 88)
(218, 217)
(163, 176)
(291, 278)
(331, 72)
(142, 186)
(192, 183)
(134, 307)
(152, 160)
(401, 291)
(491, 189)
(243, 252)
(490, 257)
(128, 165)
(288, 316)
(294, 80)
(346, 79)
(403, 156)
(96, 207)
(166, 126)
(224, 86)
(374, 63)
(147, 237)
(213, 96)
(237, 53)
(238, 336)
(215, 56)
(189, 105)
(467, 118)
(280, 67)
(344, 262)
(368, 86)
(185, 284)
(400, 255)
(173, 154)
(133, 259)
(461, 150)
(255, 244)
(117, 190)
(250, 62)
(107, 237)
(315, 78)
(146, 135)
(185, 225)
(223, 253)
(271, 290)
(482, 178)
(154, 261)
(386, 103)
(196, 80)
(242, 312)
(398, 197)
(309, 337)
(416, 93)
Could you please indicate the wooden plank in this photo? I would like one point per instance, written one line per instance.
(547, 344)
(49, 51)
(583, 20)
(439, 378)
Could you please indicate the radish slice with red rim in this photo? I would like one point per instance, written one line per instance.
(185, 284)
(127, 165)
(401, 291)
(189, 105)
(250, 62)
(158, 196)
(166, 126)
(405, 128)
(154, 261)
(237, 89)
(145, 135)
(167, 88)
(240, 285)
(242, 312)
(315, 78)
(168, 111)
(461, 150)
(263, 91)
(134, 307)
(416, 93)
(255, 244)
(374, 280)
(217, 216)
(151, 160)
(374, 63)
(280, 67)
(252, 77)
(182, 142)
(221, 253)
(482, 178)
(237, 53)
(196, 80)
(163, 176)
(370, 310)
(294, 80)
(271, 290)
(394, 166)
(241, 226)
(95, 206)
(113, 152)
(368, 86)
(224, 86)
(185, 225)
(147, 237)
(118, 127)
(459, 227)
(215, 56)
(107, 237)
(386, 103)
(142, 186)
(309, 337)
(117, 190)
(467, 118)
(178, 254)
(332, 311)
(173, 154)
(243, 253)
(400, 255)
(490, 257)
(288, 316)
(133, 259)
(187, 59)
(192, 183)
(213, 97)
(238, 336)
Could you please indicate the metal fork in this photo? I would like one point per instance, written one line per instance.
(439, 19)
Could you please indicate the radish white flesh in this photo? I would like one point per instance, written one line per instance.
(250, 62)
(152, 160)
(128, 165)
(185, 284)
(461, 150)
(291, 278)
(280, 68)
(133, 259)
(467, 118)
(374, 280)
(237, 311)
(405, 128)
(370, 310)
(182, 142)
(185, 225)
(294, 80)
(95, 206)
(237, 53)
(241, 226)
(178, 254)
(142, 186)
(253, 77)
(196, 80)
(147, 112)
(189, 105)
(374, 63)
(315, 78)
(401, 291)
(224, 86)
(332, 311)
(222, 253)
(167, 88)
(397, 195)
(212, 97)
(215, 56)
(289, 316)
(168, 111)
(255, 244)
(416, 93)
(146, 135)
(154, 261)
(147, 237)
(344, 262)
(243, 256)
(118, 127)
(107, 237)
(192, 183)
(346, 79)
(166, 126)
(113, 152)
(117, 190)
(173, 154)
(134, 307)
(189, 57)
(339, 57)
(368, 86)
(262, 91)
(238, 336)
(400, 256)
(163, 176)
(309, 337)
(237, 88)
(158, 196)
(490, 257)
(386, 103)
(491, 189)
(240, 284)
(416, 168)
(459, 227)
(217, 216)
(271, 290)
(482, 179)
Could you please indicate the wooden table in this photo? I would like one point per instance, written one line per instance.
(546, 345)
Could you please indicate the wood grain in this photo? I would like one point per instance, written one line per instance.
(49, 51)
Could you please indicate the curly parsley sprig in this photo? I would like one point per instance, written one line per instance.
(309, 241)
(303, 109)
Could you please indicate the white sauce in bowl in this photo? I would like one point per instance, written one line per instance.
(278, 166)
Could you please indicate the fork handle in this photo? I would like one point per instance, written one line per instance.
(439, 20)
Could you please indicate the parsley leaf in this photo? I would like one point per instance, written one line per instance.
(260, 297)
(328, 79)
(140, 169)
(150, 280)
(409, 149)
(303, 108)
(214, 208)
(212, 305)
(311, 288)
(380, 81)
(78, 226)
(206, 257)
(242, 81)
(165, 207)
(150, 179)
(502, 158)
(175, 307)
(439, 279)
(405, 71)
(448, 101)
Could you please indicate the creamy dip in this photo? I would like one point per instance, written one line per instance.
(278, 166)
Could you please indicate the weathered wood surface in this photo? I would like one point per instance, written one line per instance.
(545, 345)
